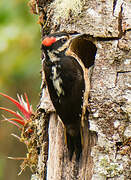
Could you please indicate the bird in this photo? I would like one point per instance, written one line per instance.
(65, 81)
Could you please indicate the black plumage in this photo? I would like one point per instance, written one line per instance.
(65, 82)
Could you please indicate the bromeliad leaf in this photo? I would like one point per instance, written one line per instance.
(24, 107)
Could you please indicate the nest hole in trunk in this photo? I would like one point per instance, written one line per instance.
(84, 47)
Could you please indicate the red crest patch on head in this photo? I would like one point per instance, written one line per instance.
(48, 41)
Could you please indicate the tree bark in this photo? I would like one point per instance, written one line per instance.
(107, 132)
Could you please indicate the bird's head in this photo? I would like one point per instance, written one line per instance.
(57, 42)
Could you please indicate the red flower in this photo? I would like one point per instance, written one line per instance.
(24, 107)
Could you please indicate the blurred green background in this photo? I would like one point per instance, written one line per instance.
(19, 72)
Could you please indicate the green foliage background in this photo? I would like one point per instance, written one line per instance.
(19, 72)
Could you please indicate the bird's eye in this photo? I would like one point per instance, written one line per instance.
(63, 40)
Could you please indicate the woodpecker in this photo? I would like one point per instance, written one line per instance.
(65, 81)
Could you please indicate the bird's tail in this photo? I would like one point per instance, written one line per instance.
(74, 144)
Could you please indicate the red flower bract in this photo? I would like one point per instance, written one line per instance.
(23, 106)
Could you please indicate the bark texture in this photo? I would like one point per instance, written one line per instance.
(107, 132)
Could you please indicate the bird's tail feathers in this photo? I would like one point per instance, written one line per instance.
(74, 144)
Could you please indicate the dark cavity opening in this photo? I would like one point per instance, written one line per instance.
(84, 47)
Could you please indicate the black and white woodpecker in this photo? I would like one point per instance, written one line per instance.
(66, 85)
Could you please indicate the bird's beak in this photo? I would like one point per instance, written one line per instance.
(80, 37)
(73, 36)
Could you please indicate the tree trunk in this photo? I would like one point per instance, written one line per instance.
(106, 145)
